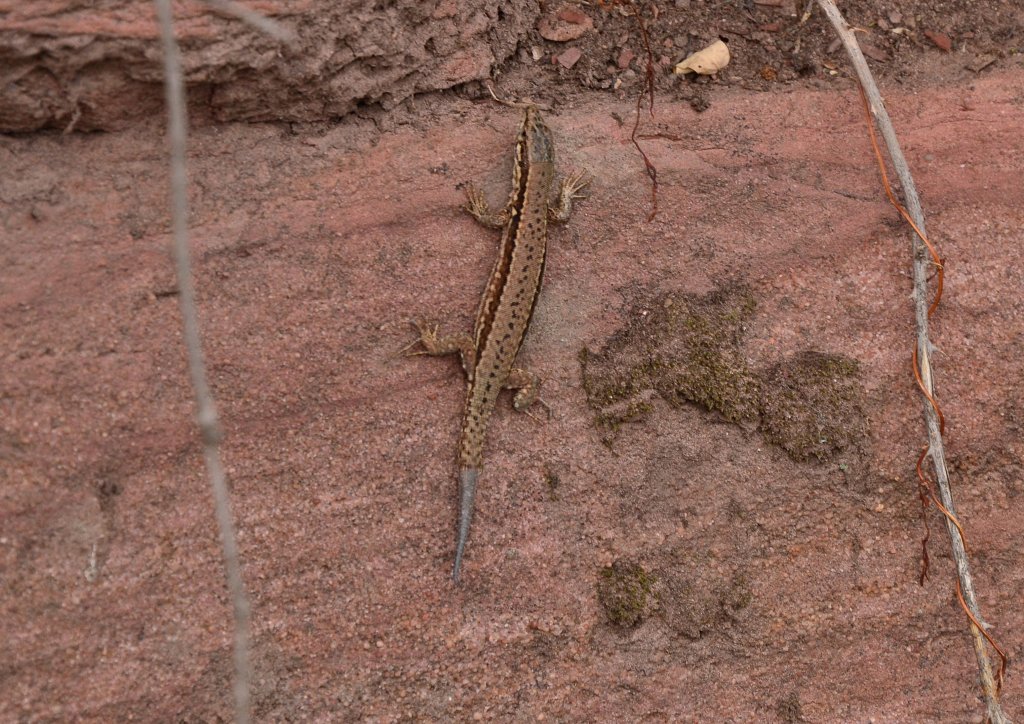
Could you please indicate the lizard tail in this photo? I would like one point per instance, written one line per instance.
(467, 494)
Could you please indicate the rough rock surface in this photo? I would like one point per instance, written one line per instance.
(64, 62)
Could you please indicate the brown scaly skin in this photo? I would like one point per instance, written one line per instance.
(508, 301)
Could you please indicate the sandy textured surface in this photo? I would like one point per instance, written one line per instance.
(786, 588)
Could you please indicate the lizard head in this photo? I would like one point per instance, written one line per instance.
(537, 137)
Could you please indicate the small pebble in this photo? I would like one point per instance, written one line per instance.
(570, 57)
(941, 40)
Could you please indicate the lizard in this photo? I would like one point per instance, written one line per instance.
(506, 307)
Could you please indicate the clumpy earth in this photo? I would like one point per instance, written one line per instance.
(624, 591)
(813, 405)
(755, 462)
(687, 348)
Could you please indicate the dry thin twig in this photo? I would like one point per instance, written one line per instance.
(965, 585)
(251, 17)
(207, 413)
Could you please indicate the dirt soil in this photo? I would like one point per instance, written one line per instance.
(720, 519)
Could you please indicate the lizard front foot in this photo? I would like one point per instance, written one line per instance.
(480, 210)
(569, 190)
(575, 182)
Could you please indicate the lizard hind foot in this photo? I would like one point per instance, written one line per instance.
(547, 409)
(476, 203)
(527, 387)
(427, 338)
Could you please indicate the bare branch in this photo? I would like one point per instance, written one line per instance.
(207, 413)
(936, 450)
(257, 20)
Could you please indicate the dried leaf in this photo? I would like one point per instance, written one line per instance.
(706, 62)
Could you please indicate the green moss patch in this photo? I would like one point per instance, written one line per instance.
(812, 405)
(688, 348)
(788, 708)
(624, 592)
(683, 348)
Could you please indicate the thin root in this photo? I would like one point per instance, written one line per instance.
(515, 104)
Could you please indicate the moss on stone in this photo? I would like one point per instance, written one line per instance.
(624, 591)
(788, 708)
(685, 348)
(812, 405)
